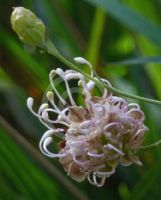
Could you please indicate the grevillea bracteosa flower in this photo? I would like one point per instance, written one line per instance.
(94, 138)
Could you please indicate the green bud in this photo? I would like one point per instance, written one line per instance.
(29, 28)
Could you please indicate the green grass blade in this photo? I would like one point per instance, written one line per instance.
(130, 19)
(38, 70)
(95, 37)
(26, 178)
(138, 61)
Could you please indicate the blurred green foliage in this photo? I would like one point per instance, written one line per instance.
(118, 37)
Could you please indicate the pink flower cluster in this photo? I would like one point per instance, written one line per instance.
(96, 137)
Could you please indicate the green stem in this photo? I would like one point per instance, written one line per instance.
(151, 145)
(53, 51)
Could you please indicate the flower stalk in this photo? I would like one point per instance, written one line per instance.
(51, 49)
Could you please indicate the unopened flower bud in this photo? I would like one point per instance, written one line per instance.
(29, 28)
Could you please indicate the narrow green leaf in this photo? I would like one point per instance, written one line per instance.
(9, 172)
(130, 18)
(27, 179)
(145, 183)
(29, 62)
(21, 172)
(57, 22)
(5, 190)
(136, 61)
(95, 36)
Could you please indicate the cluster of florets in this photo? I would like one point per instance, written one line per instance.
(96, 137)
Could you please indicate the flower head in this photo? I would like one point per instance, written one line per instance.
(96, 137)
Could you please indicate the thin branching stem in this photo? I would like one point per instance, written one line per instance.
(53, 51)
(155, 144)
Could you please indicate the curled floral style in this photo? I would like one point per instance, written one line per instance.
(96, 137)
